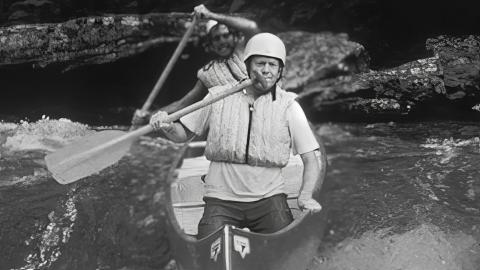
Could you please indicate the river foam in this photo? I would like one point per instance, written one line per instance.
(45, 134)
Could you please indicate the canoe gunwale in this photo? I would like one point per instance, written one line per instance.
(268, 251)
(189, 238)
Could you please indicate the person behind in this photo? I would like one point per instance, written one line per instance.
(250, 137)
(226, 37)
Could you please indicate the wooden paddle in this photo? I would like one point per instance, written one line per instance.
(94, 153)
(169, 67)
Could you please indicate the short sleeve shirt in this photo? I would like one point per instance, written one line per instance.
(242, 182)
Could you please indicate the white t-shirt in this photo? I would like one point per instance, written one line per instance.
(243, 182)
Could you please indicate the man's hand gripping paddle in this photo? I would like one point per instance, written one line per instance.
(95, 152)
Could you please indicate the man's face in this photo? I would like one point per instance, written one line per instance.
(269, 68)
(222, 41)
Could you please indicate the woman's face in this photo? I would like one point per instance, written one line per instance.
(222, 42)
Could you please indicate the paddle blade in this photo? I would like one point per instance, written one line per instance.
(87, 156)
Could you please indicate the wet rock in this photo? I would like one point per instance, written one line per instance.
(449, 79)
(459, 59)
(317, 56)
(381, 94)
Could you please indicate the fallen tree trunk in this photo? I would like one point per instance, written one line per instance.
(90, 40)
(440, 86)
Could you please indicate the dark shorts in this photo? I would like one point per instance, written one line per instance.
(264, 216)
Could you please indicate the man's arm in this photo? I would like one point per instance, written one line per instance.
(194, 123)
(311, 177)
(248, 27)
(174, 131)
(312, 153)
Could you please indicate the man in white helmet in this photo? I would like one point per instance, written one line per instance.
(250, 137)
(226, 37)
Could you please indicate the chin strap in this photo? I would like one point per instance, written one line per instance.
(274, 92)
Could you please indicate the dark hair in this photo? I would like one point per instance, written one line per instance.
(231, 30)
(206, 40)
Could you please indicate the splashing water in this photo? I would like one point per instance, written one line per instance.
(51, 237)
(45, 134)
(400, 196)
(106, 221)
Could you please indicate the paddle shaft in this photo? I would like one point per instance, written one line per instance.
(170, 118)
(169, 67)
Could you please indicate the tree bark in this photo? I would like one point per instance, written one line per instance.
(90, 40)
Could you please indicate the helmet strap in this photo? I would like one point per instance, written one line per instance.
(274, 92)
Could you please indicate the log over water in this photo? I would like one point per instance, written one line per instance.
(90, 40)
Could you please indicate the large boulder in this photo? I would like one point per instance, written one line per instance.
(316, 56)
(459, 59)
(450, 78)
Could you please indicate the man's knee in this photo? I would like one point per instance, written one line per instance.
(215, 217)
(277, 220)
(208, 226)
(277, 215)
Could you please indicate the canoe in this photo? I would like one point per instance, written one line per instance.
(231, 248)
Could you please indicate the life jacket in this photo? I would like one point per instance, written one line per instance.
(256, 134)
(223, 71)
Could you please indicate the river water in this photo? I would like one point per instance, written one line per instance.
(399, 195)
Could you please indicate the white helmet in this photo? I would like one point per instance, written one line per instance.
(265, 44)
(209, 25)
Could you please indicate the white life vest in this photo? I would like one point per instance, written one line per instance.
(223, 71)
(257, 135)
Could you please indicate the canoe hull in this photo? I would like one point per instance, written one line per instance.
(231, 248)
